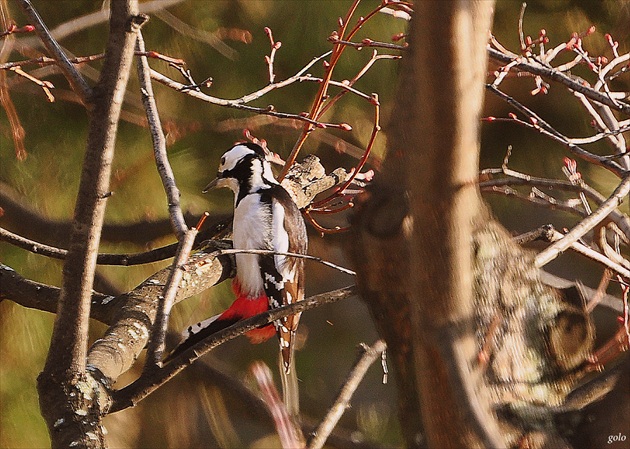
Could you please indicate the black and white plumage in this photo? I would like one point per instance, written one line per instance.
(265, 218)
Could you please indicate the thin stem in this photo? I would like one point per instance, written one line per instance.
(543, 127)
(76, 80)
(532, 66)
(277, 253)
(615, 199)
(165, 302)
(159, 142)
(342, 402)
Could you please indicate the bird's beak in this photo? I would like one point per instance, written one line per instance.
(213, 185)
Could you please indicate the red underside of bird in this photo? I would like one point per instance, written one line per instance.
(246, 307)
(242, 308)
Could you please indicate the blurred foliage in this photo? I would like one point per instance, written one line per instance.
(188, 412)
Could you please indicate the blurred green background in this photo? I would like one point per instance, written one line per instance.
(194, 410)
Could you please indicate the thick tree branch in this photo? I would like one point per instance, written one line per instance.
(65, 368)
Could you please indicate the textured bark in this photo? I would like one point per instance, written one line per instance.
(481, 347)
(69, 396)
(117, 350)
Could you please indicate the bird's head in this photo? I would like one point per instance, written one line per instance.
(243, 169)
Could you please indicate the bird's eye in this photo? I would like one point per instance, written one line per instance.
(223, 160)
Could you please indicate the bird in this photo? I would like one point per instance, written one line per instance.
(265, 218)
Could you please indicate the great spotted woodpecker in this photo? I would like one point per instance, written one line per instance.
(265, 218)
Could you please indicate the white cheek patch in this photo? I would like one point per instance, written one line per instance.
(233, 156)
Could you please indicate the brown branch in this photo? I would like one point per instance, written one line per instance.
(38, 296)
(138, 390)
(64, 374)
(533, 66)
(119, 348)
(372, 44)
(74, 77)
(342, 401)
(154, 255)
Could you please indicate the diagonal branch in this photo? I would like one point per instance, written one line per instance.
(620, 194)
(342, 402)
(543, 127)
(159, 141)
(167, 299)
(532, 66)
(138, 390)
(76, 80)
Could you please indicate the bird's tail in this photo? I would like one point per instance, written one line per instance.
(290, 391)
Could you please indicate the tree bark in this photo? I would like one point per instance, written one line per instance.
(412, 230)
(69, 396)
(465, 315)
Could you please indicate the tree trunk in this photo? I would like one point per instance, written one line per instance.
(464, 313)
(71, 399)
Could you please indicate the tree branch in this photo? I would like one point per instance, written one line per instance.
(138, 390)
(342, 401)
(532, 66)
(65, 369)
(167, 299)
(159, 142)
(76, 80)
(615, 199)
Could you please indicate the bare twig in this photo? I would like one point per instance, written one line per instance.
(369, 356)
(620, 194)
(372, 44)
(154, 255)
(76, 80)
(159, 142)
(166, 301)
(532, 66)
(591, 254)
(275, 46)
(276, 253)
(620, 219)
(536, 122)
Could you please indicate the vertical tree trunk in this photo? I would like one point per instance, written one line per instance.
(449, 57)
(70, 398)
(412, 238)
(481, 346)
